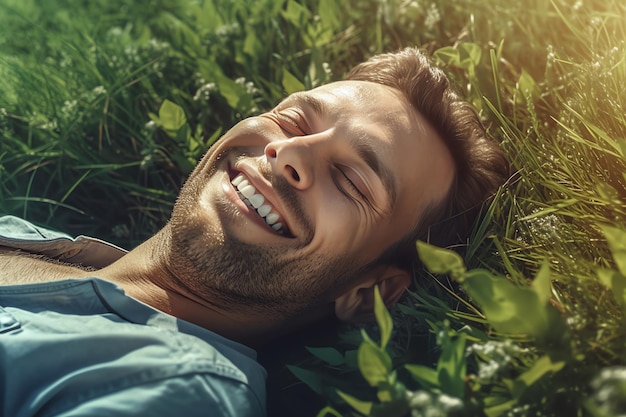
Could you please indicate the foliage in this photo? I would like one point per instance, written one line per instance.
(105, 107)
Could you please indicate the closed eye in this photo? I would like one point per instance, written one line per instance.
(346, 186)
(292, 121)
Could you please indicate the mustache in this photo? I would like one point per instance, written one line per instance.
(289, 197)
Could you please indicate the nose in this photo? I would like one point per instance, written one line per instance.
(293, 159)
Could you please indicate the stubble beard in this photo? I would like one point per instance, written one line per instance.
(235, 275)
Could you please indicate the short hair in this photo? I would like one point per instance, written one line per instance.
(480, 164)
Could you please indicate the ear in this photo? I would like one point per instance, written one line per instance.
(357, 304)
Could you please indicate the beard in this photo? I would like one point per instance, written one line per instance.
(270, 279)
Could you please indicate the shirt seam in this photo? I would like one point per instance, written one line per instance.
(70, 403)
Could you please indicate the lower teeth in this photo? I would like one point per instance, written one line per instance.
(249, 204)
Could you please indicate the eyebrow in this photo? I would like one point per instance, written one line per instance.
(318, 106)
(367, 153)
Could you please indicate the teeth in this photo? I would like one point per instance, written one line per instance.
(271, 218)
(264, 210)
(238, 180)
(248, 191)
(257, 200)
(252, 199)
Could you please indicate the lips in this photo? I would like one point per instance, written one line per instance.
(254, 199)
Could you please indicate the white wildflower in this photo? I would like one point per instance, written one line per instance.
(418, 399)
(115, 32)
(433, 16)
(69, 107)
(488, 371)
(250, 88)
(495, 358)
(608, 390)
(204, 92)
(150, 126)
(99, 90)
(327, 69)
(450, 403)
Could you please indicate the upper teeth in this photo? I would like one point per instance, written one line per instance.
(250, 196)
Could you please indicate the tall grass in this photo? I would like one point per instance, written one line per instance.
(84, 148)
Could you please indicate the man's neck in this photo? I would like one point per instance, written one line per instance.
(145, 274)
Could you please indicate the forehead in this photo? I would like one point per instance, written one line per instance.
(343, 99)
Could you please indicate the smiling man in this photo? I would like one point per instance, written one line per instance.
(292, 216)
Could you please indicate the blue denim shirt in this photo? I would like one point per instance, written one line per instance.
(81, 347)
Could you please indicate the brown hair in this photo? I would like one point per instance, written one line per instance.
(481, 166)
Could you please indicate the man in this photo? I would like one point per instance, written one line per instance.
(293, 215)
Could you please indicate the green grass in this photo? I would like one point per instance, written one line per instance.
(84, 149)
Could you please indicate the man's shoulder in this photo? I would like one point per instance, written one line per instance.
(20, 234)
(108, 348)
(186, 395)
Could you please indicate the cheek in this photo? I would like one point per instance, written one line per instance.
(253, 132)
(342, 226)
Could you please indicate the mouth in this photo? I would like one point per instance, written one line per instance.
(257, 201)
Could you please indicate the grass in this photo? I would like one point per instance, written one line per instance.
(86, 147)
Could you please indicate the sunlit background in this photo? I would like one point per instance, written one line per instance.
(88, 146)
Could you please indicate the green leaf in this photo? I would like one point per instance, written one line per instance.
(328, 410)
(329, 10)
(171, 116)
(183, 136)
(316, 75)
(391, 390)
(425, 376)
(296, 13)
(441, 261)
(365, 337)
(541, 284)
(499, 409)
(621, 146)
(252, 46)
(290, 83)
(543, 366)
(616, 282)
(363, 407)
(383, 318)
(214, 137)
(607, 192)
(312, 379)
(352, 358)
(384, 394)
(509, 308)
(470, 53)
(451, 368)
(616, 238)
(374, 363)
(527, 85)
(230, 90)
(329, 355)
(184, 163)
(448, 55)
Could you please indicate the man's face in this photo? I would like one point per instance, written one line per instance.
(340, 172)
